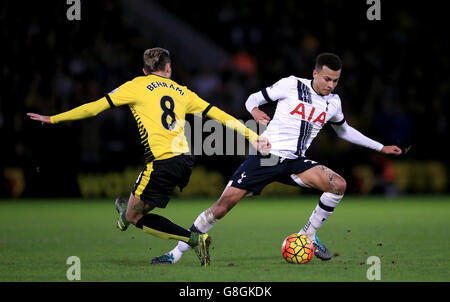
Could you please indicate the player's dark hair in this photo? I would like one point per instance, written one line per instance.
(328, 59)
(155, 59)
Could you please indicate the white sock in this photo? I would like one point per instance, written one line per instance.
(325, 207)
(178, 251)
(314, 223)
(204, 222)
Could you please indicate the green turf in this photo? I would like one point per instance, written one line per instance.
(410, 235)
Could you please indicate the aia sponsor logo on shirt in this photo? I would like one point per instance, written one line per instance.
(300, 110)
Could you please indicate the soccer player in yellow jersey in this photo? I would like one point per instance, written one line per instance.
(159, 106)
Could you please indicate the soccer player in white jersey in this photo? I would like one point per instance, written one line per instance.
(304, 106)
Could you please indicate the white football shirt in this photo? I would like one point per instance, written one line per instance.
(299, 116)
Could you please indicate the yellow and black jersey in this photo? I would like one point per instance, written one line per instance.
(159, 106)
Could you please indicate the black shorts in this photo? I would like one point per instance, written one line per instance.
(258, 171)
(159, 178)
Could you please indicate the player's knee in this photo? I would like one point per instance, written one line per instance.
(342, 185)
(338, 185)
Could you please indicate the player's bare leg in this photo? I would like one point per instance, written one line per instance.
(333, 185)
(324, 179)
(229, 198)
(205, 221)
(136, 209)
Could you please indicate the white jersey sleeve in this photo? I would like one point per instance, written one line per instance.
(279, 89)
(273, 93)
(254, 101)
(338, 118)
(352, 135)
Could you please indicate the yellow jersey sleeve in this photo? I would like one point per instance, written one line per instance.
(195, 103)
(123, 95)
(81, 112)
(232, 123)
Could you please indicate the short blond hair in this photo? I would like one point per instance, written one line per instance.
(155, 59)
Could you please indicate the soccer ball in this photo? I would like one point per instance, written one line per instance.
(297, 248)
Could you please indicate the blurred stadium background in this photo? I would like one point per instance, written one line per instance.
(394, 86)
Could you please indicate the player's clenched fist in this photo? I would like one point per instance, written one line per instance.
(391, 150)
(263, 145)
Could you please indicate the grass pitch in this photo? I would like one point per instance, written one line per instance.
(410, 235)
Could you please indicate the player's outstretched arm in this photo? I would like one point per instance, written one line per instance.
(80, 112)
(352, 135)
(261, 144)
(197, 104)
